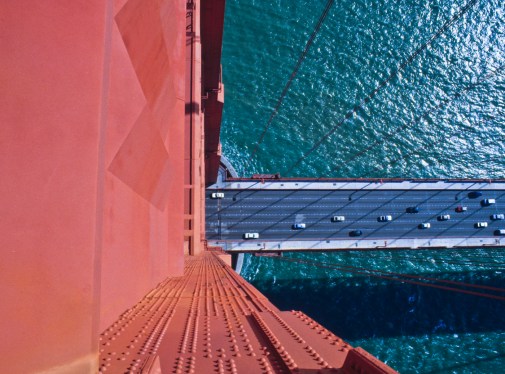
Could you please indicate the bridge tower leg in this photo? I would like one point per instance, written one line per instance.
(194, 176)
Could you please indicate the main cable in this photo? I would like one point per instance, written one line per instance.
(401, 158)
(427, 112)
(474, 261)
(382, 84)
(284, 92)
(381, 272)
(394, 277)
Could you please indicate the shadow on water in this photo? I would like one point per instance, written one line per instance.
(365, 307)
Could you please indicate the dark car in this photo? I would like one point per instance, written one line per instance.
(488, 202)
(412, 209)
(461, 209)
(356, 233)
(474, 194)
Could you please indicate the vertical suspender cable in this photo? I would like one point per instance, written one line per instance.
(309, 43)
(382, 84)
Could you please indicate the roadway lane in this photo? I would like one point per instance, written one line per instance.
(272, 213)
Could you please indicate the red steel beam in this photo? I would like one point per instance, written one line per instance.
(194, 162)
(212, 320)
(212, 25)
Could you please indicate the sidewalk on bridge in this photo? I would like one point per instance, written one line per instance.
(358, 185)
(352, 244)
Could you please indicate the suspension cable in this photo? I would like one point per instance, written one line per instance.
(284, 92)
(425, 114)
(401, 158)
(491, 288)
(384, 83)
(377, 274)
(477, 260)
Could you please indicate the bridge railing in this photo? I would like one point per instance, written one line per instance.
(277, 177)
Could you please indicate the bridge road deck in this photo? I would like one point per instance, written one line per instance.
(270, 208)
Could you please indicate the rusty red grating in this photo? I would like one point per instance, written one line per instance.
(213, 321)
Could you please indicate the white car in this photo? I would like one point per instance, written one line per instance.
(480, 225)
(425, 225)
(338, 219)
(496, 217)
(299, 226)
(384, 218)
(251, 235)
(444, 217)
(499, 232)
(217, 195)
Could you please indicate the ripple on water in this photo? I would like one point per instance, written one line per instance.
(433, 120)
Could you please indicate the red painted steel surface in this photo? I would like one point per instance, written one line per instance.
(213, 114)
(194, 142)
(212, 24)
(93, 120)
(92, 114)
(213, 321)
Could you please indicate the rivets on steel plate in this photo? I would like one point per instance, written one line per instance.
(209, 292)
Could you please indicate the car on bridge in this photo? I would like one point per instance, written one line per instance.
(338, 219)
(496, 217)
(356, 233)
(444, 217)
(461, 209)
(251, 235)
(480, 225)
(217, 195)
(299, 226)
(474, 194)
(412, 209)
(384, 218)
(499, 232)
(488, 202)
(425, 225)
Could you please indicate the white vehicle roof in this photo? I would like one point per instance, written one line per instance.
(248, 235)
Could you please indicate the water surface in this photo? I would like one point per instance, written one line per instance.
(442, 116)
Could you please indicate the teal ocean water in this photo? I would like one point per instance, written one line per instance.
(441, 116)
